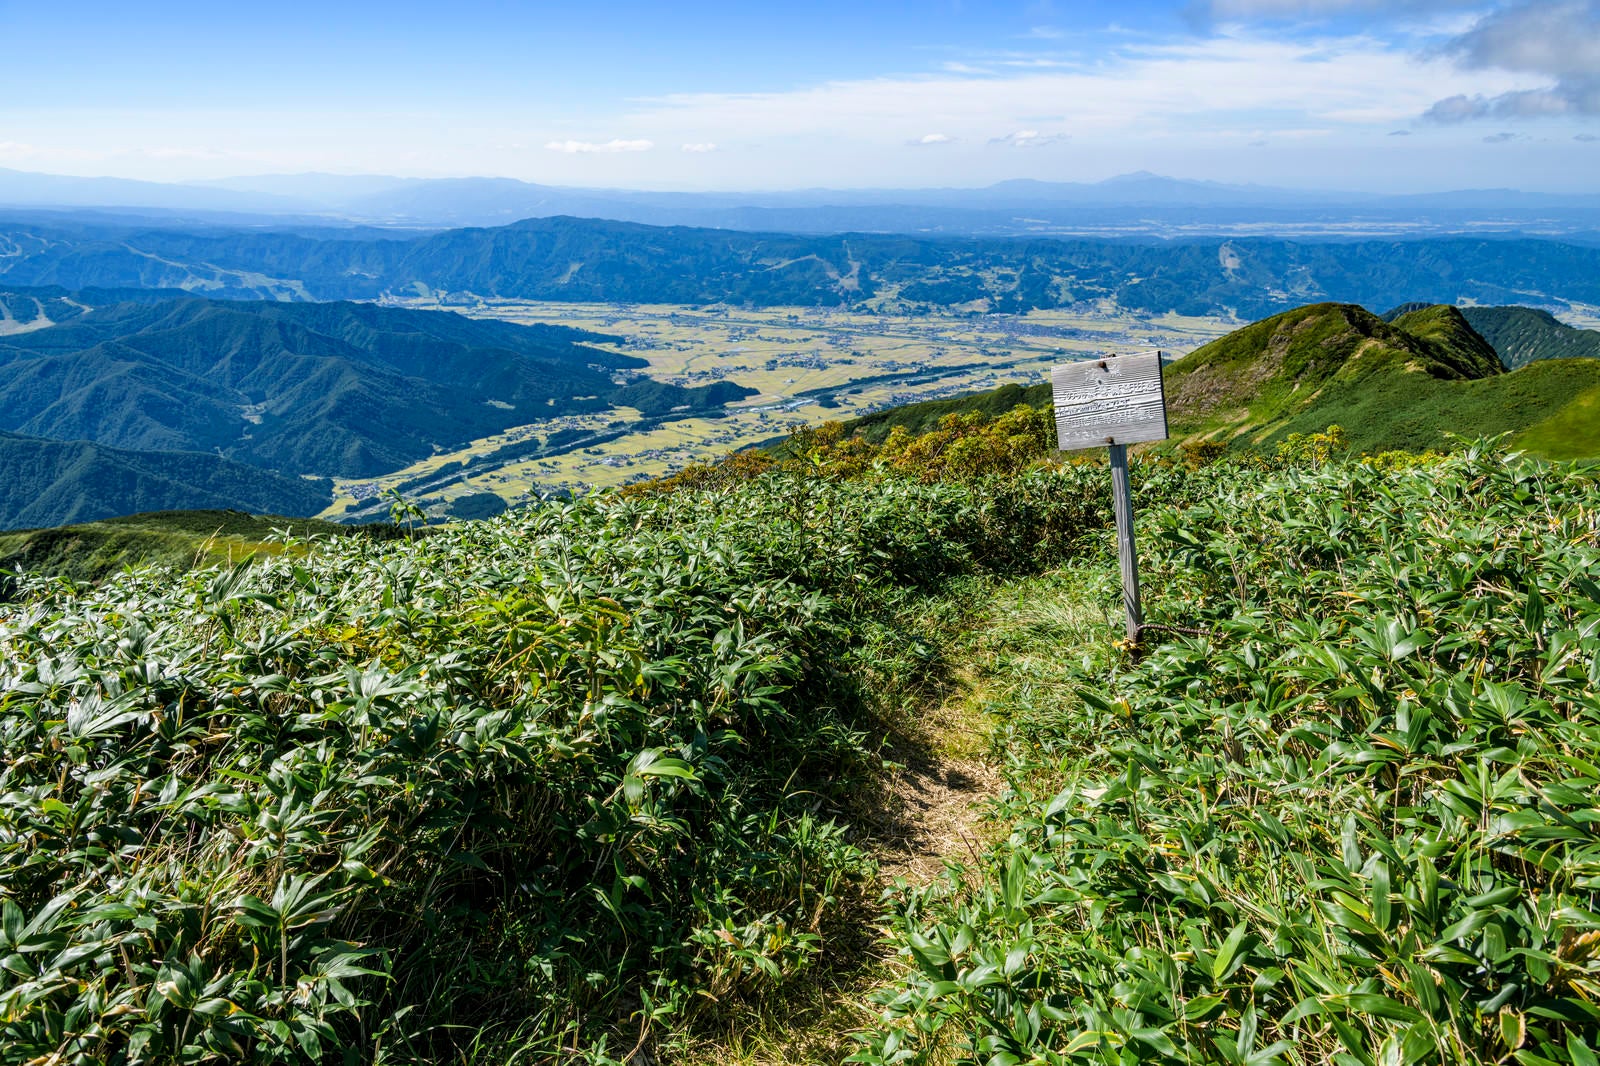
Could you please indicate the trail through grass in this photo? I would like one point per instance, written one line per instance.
(1356, 824)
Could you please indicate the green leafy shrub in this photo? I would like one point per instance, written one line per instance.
(556, 781)
(1357, 823)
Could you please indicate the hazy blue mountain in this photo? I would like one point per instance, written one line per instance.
(340, 388)
(591, 260)
(1129, 203)
(24, 188)
(54, 482)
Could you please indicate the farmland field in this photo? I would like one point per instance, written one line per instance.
(809, 364)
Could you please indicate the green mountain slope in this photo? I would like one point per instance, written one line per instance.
(1402, 385)
(1456, 343)
(51, 483)
(327, 389)
(1523, 335)
(91, 550)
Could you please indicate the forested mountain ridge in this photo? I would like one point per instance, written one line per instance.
(1523, 335)
(56, 482)
(206, 390)
(346, 389)
(564, 258)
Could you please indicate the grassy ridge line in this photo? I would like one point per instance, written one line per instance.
(1359, 824)
(1410, 385)
(570, 779)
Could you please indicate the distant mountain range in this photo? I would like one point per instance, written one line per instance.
(1129, 204)
(589, 260)
(236, 403)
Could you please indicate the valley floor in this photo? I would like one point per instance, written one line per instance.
(809, 365)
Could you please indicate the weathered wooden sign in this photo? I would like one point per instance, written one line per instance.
(1113, 402)
(1117, 400)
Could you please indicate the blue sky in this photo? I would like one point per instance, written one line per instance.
(1404, 95)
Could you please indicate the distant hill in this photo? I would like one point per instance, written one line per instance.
(326, 389)
(565, 258)
(1405, 384)
(1129, 203)
(1402, 385)
(55, 482)
(1523, 335)
(1520, 335)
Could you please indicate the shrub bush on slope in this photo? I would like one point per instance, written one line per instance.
(542, 783)
(1357, 824)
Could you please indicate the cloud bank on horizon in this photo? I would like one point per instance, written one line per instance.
(913, 92)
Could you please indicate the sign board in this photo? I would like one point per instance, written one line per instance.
(1112, 403)
(1117, 400)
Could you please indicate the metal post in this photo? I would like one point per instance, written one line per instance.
(1122, 502)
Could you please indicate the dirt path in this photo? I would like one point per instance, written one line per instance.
(933, 805)
(936, 807)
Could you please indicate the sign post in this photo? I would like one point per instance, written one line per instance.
(1113, 402)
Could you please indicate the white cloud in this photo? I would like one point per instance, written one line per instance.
(1559, 42)
(699, 146)
(1269, 9)
(930, 138)
(1028, 139)
(1138, 92)
(586, 147)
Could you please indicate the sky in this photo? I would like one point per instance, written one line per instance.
(1378, 95)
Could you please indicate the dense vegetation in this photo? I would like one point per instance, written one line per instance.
(592, 776)
(919, 418)
(587, 259)
(1352, 821)
(571, 778)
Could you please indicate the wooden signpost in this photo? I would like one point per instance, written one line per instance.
(1113, 402)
